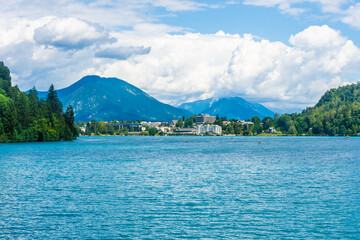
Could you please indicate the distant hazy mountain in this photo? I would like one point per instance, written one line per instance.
(234, 107)
(98, 98)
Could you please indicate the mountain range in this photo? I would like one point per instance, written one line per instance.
(106, 99)
(232, 108)
(98, 98)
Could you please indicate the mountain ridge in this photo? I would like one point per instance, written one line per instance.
(230, 107)
(98, 98)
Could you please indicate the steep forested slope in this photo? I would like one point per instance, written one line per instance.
(336, 113)
(25, 118)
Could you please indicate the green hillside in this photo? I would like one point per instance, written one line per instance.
(25, 118)
(336, 113)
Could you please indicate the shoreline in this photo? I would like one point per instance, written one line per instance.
(260, 135)
(224, 136)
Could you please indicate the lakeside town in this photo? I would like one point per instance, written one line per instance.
(195, 125)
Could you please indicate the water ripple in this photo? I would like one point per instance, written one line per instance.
(165, 188)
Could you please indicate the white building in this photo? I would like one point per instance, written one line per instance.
(212, 129)
(271, 130)
(82, 129)
(247, 124)
(173, 123)
(164, 129)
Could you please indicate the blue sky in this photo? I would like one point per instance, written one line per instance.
(265, 22)
(282, 53)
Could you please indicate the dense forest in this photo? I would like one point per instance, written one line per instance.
(336, 113)
(26, 118)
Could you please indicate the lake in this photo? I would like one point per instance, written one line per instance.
(181, 187)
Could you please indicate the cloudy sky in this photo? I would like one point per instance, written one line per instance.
(282, 53)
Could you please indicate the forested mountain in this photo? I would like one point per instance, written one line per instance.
(336, 113)
(232, 108)
(26, 118)
(106, 99)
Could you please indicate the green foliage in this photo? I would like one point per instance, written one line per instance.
(268, 122)
(101, 128)
(153, 131)
(111, 130)
(69, 119)
(336, 113)
(180, 123)
(53, 101)
(5, 78)
(2, 92)
(258, 128)
(232, 128)
(189, 122)
(25, 118)
(144, 133)
(292, 130)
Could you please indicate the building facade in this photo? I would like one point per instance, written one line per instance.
(204, 119)
(208, 129)
(185, 131)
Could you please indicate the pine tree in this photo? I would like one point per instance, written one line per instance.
(34, 104)
(22, 105)
(5, 78)
(53, 101)
(70, 121)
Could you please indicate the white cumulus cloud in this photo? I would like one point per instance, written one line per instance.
(197, 66)
(125, 39)
(70, 33)
(122, 53)
(318, 37)
(352, 16)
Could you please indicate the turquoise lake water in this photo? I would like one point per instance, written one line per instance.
(166, 188)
